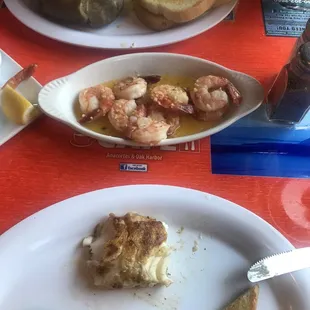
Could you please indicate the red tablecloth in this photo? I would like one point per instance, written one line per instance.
(40, 166)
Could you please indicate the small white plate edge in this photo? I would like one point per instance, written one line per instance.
(18, 128)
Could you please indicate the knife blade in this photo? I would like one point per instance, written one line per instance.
(279, 264)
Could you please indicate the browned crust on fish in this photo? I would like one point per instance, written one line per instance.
(136, 238)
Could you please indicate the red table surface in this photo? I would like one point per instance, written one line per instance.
(39, 166)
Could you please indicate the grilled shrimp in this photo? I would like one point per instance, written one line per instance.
(147, 131)
(130, 88)
(120, 113)
(95, 102)
(212, 93)
(131, 119)
(171, 97)
(171, 118)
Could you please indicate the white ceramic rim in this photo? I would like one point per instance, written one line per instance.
(77, 207)
(77, 37)
(223, 205)
(115, 140)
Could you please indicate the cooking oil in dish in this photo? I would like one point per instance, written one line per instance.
(188, 124)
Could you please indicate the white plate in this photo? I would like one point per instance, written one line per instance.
(125, 32)
(58, 97)
(29, 89)
(41, 266)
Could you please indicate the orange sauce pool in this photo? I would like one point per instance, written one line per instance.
(189, 125)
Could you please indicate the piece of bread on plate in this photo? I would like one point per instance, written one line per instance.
(178, 11)
(246, 301)
(150, 20)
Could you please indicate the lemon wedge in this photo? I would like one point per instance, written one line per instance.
(17, 108)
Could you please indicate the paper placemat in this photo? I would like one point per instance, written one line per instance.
(143, 159)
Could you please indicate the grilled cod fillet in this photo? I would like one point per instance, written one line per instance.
(128, 251)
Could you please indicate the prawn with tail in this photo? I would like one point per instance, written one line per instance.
(130, 88)
(211, 97)
(147, 131)
(171, 97)
(134, 87)
(95, 102)
(131, 118)
(121, 111)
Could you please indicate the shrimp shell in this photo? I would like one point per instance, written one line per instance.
(21, 76)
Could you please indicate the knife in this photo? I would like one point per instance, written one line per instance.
(279, 264)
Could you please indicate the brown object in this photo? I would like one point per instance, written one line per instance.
(304, 38)
(220, 2)
(150, 20)
(288, 100)
(151, 79)
(21, 76)
(247, 301)
(178, 11)
(95, 13)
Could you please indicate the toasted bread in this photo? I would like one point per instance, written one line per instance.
(179, 11)
(150, 20)
(247, 301)
(220, 2)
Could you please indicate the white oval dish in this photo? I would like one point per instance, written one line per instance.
(57, 98)
(124, 33)
(42, 262)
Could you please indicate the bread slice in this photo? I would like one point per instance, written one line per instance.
(220, 2)
(179, 11)
(247, 301)
(150, 20)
